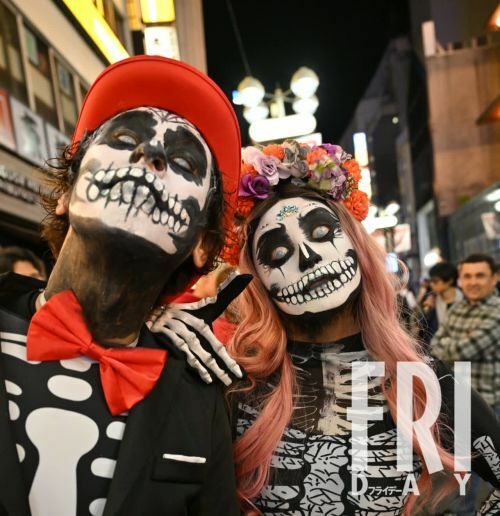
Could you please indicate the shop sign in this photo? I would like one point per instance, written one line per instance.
(18, 185)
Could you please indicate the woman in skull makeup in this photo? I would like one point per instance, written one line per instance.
(321, 299)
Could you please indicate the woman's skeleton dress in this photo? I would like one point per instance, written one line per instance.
(311, 467)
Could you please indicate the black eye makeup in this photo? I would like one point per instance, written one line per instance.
(186, 154)
(126, 138)
(320, 225)
(274, 248)
(127, 130)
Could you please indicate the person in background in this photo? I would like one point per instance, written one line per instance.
(471, 333)
(444, 294)
(21, 261)
(424, 290)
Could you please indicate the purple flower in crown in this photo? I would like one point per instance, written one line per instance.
(266, 166)
(338, 187)
(336, 152)
(254, 186)
(294, 162)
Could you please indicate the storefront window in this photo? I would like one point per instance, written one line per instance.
(41, 77)
(67, 95)
(11, 66)
(114, 18)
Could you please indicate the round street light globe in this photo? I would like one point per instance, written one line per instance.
(258, 112)
(250, 91)
(308, 105)
(304, 82)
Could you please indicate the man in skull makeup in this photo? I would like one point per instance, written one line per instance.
(320, 300)
(100, 415)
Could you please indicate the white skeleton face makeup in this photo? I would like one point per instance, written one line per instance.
(147, 172)
(303, 257)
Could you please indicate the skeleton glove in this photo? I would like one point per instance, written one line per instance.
(187, 326)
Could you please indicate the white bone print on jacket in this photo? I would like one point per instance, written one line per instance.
(61, 438)
(66, 440)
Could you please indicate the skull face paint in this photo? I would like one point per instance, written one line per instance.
(147, 172)
(303, 258)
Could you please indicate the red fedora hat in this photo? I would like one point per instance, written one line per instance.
(174, 86)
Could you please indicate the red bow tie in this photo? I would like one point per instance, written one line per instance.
(58, 331)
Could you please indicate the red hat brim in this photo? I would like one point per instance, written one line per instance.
(173, 86)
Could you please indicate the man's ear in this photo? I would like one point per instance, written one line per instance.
(200, 256)
(62, 204)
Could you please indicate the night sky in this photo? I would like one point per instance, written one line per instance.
(342, 41)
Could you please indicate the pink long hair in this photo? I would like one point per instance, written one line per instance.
(260, 346)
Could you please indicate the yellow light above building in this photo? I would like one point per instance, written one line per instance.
(94, 24)
(494, 20)
(157, 11)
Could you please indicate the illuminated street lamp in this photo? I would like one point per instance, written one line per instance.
(258, 105)
(250, 91)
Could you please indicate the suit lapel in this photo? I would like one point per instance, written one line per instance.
(13, 495)
(144, 425)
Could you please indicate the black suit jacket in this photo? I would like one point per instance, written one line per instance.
(181, 416)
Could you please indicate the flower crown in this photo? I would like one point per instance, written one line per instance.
(325, 168)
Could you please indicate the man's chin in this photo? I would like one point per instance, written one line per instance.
(96, 233)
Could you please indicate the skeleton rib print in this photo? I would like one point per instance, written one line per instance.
(312, 467)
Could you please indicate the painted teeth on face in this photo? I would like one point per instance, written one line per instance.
(115, 192)
(109, 176)
(158, 185)
(149, 204)
(341, 270)
(128, 191)
(100, 175)
(93, 192)
(142, 197)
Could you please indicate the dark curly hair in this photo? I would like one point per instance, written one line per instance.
(61, 173)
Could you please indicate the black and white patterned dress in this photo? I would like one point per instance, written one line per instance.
(312, 465)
